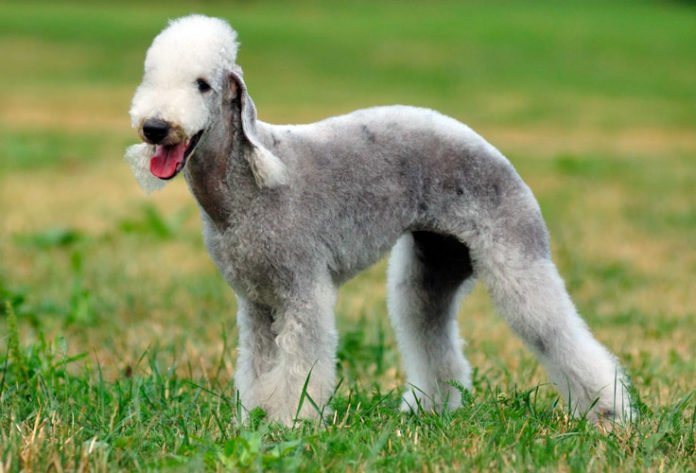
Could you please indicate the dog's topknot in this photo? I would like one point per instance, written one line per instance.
(196, 40)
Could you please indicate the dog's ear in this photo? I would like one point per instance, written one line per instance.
(268, 169)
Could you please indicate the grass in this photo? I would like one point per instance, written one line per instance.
(117, 335)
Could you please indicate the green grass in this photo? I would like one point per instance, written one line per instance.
(153, 418)
(117, 334)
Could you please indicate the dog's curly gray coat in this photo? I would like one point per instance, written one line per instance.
(291, 212)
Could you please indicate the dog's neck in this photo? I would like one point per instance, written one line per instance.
(221, 179)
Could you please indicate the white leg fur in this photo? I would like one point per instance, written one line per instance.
(278, 353)
(429, 342)
(257, 349)
(532, 297)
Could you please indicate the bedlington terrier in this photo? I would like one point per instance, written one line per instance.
(290, 212)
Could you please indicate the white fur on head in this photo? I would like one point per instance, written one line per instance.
(190, 48)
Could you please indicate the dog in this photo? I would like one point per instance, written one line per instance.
(290, 212)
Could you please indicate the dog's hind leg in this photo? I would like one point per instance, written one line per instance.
(512, 258)
(428, 275)
(285, 349)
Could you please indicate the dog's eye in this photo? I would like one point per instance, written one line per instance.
(203, 86)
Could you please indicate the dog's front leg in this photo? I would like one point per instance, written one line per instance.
(257, 349)
(282, 350)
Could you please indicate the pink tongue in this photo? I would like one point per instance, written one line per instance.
(166, 160)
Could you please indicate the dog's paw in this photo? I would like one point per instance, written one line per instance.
(608, 417)
(413, 404)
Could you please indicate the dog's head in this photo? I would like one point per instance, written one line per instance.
(190, 87)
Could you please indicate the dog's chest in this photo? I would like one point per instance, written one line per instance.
(254, 263)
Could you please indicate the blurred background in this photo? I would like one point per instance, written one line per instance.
(594, 102)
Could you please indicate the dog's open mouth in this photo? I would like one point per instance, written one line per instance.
(169, 160)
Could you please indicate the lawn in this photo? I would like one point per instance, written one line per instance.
(118, 336)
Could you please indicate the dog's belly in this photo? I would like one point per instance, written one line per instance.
(359, 253)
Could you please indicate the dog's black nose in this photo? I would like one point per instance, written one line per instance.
(155, 130)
